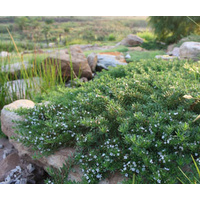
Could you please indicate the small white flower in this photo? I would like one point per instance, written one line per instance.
(125, 157)
(99, 176)
(175, 113)
(181, 148)
(126, 175)
(159, 181)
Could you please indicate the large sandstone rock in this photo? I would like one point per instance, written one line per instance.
(131, 40)
(78, 59)
(109, 59)
(7, 115)
(190, 50)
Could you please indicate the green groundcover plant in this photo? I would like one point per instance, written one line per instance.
(132, 119)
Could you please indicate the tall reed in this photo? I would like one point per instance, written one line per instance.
(31, 79)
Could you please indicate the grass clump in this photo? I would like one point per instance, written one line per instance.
(138, 55)
(131, 119)
(147, 35)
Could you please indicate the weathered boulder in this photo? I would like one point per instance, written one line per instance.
(7, 115)
(92, 61)
(190, 50)
(131, 40)
(109, 59)
(76, 57)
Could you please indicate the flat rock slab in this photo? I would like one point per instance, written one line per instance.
(18, 88)
(166, 57)
(136, 49)
(15, 67)
(106, 59)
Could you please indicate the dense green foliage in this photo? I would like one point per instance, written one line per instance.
(170, 29)
(132, 119)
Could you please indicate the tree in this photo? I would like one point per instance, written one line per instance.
(46, 29)
(33, 26)
(21, 22)
(170, 29)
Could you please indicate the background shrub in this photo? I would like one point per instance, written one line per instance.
(170, 29)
